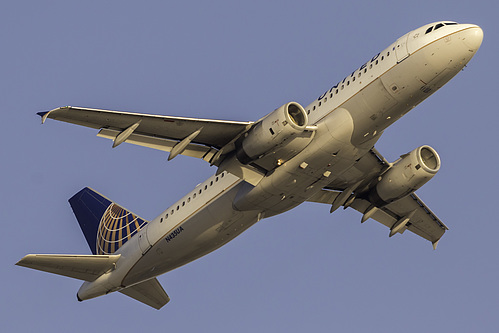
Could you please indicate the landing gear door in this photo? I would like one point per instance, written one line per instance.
(401, 48)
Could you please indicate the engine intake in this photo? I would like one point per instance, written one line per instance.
(271, 132)
(408, 174)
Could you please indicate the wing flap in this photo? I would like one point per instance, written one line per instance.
(81, 267)
(192, 150)
(324, 196)
(149, 292)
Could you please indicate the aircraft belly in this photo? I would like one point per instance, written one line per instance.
(207, 230)
(399, 90)
(328, 156)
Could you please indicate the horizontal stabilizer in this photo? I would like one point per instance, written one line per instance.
(81, 267)
(148, 292)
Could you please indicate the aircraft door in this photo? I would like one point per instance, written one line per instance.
(144, 243)
(401, 48)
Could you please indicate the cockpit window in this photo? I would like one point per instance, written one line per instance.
(438, 26)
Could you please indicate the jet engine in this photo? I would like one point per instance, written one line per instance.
(271, 132)
(405, 176)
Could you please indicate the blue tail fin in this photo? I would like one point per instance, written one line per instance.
(106, 225)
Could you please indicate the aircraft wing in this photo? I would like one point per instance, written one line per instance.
(201, 138)
(409, 213)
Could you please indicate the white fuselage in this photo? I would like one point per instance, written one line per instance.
(350, 118)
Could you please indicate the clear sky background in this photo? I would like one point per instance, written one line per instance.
(303, 271)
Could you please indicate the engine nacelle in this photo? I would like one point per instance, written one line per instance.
(271, 132)
(407, 175)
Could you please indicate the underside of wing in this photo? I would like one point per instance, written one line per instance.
(202, 138)
(408, 212)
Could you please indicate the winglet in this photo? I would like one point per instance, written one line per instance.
(44, 115)
(435, 243)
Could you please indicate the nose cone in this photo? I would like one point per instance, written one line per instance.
(473, 38)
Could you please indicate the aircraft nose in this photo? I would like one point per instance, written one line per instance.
(473, 38)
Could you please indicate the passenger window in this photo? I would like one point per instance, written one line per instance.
(211, 183)
(206, 187)
(194, 196)
(161, 220)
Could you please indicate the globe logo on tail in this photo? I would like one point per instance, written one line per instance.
(116, 227)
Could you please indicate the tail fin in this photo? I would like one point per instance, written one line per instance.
(106, 225)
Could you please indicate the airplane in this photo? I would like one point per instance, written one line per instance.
(322, 153)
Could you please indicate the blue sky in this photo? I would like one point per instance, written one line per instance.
(305, 270)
